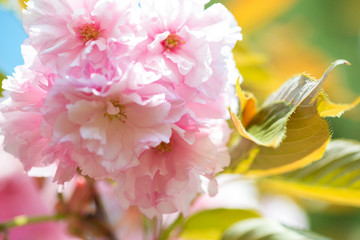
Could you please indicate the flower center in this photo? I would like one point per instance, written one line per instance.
(164, 147)
(172, 42)
(88, 31)
(114, 110)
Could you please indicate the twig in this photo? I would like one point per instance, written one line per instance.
(25, 220)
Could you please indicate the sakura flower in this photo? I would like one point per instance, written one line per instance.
(135, 91)
(73, 34)
(106, 125)
(189, 45)
(171, 174)
(22, 117)
(23, 126)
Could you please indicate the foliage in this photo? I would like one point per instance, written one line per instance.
(333, 178)
(2, 77)
(288, 131)
(206, 225)
(264, 229)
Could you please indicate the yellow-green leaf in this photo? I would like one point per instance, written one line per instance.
(269, 124)
(2, 77)
(267, 127)
(265, 229)
(326, 108)
(334, 178)
(210, 224)
(287, 131)
(248, 104)
(307, 136)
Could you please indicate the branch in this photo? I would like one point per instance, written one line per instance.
(25, 220)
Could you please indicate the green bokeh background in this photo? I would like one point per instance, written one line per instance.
(335, 30)
(337, 33)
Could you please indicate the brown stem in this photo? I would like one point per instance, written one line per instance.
(101, 213)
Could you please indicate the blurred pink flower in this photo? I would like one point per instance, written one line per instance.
(14, 190)
(171, 174)
(126, 223)
(19, 195)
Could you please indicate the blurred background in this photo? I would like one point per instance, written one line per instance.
(286, 37)
(281, 38)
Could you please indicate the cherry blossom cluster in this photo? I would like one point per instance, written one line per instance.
(133, 91)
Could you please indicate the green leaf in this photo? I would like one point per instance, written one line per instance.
(307, 136)
(269, 123)
(334, 178)
(210, 224)
(326, 108)
(2, 77)
(268, 126)
(287, 131)
(264, 229)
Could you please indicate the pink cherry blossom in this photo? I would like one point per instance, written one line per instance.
(22, 118)
(135, 91)
(171, 174)
(108, 124)
(71, 34)
(189, 45)
(23, 126)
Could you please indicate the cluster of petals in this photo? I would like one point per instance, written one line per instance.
(134, 91)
